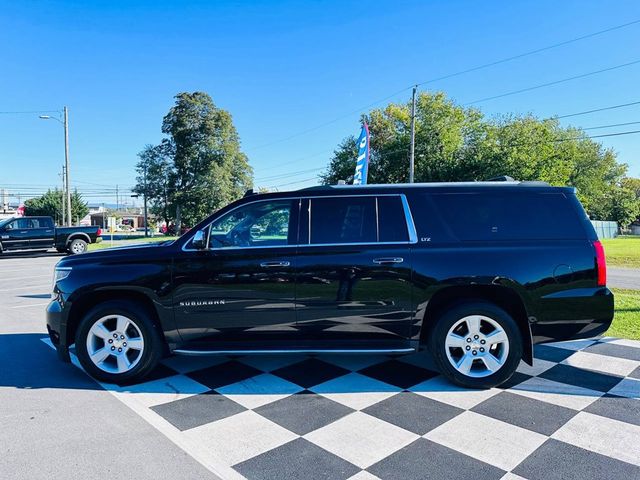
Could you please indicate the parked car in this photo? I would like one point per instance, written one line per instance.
(39, 233)
(476, 272)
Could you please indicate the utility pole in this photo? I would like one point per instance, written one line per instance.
(117, 199)
(412, 153)
(146, 224)
(66, 163)
(64, 194)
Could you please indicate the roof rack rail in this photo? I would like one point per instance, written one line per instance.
(502, 178)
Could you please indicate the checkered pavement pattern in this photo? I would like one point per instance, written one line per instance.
(574, 414)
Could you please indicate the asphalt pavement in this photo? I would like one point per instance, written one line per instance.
(621, 277)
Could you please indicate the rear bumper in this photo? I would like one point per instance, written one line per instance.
(57, 328)
(574, 314)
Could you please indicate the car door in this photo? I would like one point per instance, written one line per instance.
(41, 233)
(239, 292)
(354, 272)
(16, 234)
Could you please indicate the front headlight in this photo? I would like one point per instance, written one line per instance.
(60, 273)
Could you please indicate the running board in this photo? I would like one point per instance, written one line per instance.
(280, 352)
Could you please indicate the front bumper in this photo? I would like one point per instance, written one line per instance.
(57, 328)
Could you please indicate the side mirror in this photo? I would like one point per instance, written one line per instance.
(198, 240)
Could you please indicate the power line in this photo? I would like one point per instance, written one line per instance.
(285, 175)
(598, 110)
(555, 82)
(526, 54)
(289, 162)
(293, 183)
(322, 125)
(609, 126)
(461, 72)
(31, 112)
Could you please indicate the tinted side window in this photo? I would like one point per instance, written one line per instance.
(343, 220)
(508, 216)
(45, 222)
(259, 224)
(23, 223)
(392, 224)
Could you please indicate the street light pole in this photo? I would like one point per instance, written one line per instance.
(66, 163)
(66, 182)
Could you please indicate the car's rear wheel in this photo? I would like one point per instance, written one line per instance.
(476, 344)
(77, 246)
(117, 342)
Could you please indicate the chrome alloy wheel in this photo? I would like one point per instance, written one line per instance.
(115, 344)
(477, 346)
(78, 247)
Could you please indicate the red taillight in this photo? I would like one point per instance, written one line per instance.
(601, 263)
(99, 233)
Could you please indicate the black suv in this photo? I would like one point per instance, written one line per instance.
(477, 272)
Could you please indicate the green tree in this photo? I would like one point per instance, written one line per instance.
(454, 143)
(50, 205)
(199, 167)
(153, 180)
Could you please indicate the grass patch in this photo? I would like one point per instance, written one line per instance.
(626, 322)
(623, 251)
(106, 243)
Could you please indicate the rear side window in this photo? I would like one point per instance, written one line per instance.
(508, 216)
(343, 220)
(41, 223)
(392, 224)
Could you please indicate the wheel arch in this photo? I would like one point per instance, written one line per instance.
(504, 297)
(79, 236)
(86, 302)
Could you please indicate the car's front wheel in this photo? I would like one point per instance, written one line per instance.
(476, 344)
(117, 342)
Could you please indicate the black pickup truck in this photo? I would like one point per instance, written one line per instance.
(39, 233)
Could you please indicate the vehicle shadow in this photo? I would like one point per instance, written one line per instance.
(30, 254)
(31, 363)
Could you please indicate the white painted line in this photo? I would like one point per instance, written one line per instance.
(191, 448)
(32, 305)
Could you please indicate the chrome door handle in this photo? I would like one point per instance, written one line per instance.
(388, 260)
(274, 264)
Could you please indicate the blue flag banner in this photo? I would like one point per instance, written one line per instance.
(362, 165)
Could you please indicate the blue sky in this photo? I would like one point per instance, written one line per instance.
(285, 67)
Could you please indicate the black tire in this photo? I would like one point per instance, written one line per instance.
(77, 246)
(453, 315)
(61, 250)
(153, 342)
